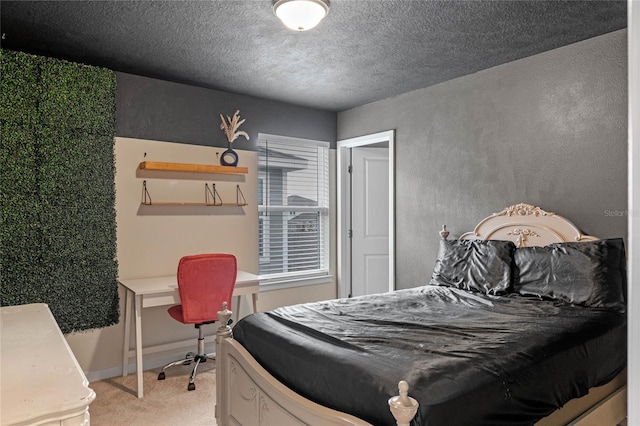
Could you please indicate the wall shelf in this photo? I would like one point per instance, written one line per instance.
(211, 198)
(194, 168)
(162, 203)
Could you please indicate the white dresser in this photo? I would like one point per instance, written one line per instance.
(41, 382)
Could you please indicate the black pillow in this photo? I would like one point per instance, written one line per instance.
(477, 265)
(591, 273)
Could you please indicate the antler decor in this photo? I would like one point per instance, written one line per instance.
(231, 125)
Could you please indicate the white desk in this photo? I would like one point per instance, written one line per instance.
(42, 382)
(163, 291)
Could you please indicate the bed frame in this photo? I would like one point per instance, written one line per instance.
(246, 394)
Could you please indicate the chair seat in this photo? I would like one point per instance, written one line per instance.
(176, 314)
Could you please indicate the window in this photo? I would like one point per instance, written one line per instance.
(293, 209)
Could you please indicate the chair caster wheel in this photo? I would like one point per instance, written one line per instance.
(161, 375)
(192, 386)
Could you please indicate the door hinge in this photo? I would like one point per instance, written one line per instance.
(350, 168)
(349, 234)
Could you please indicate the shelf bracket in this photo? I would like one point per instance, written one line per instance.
(146, 197)
(240, 200)
(211, 195)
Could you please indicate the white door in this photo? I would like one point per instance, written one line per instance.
(369, 220)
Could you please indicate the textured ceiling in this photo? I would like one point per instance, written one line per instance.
(362, 52)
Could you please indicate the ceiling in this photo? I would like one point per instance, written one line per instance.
(363, 51)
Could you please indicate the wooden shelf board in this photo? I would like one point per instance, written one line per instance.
(195, 168)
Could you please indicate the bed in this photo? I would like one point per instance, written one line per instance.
(520, 317)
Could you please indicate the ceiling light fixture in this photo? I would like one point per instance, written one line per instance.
(301, 15)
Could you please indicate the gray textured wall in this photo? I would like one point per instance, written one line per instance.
(154, 109)
(549, 130)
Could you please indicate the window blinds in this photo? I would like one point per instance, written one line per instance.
(293, 206)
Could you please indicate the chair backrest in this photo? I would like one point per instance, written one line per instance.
(204, 282)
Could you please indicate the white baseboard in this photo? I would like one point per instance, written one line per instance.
(149, 362)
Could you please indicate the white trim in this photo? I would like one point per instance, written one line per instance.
(633, 302)
(154, 361)
(293, 141)
(344, 209)
(292, 282)
(320, 209)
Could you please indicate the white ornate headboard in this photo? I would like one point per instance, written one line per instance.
(526, 225)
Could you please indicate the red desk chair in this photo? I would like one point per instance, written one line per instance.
(204, 282)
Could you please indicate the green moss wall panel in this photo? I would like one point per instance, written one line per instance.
(20, 210)
(58, 233)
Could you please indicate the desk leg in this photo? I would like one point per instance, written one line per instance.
(236, 308)
(254, 300)
(139, 368)
(236, 305)
(128, 306)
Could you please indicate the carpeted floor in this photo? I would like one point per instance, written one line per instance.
(166, 402)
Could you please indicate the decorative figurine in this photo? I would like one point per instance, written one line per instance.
(230, 127)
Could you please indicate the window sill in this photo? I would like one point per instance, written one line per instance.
(269, 284)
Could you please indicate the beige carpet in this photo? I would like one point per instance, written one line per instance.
(166, 402)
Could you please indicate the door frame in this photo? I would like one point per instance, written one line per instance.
(633, 264)
(344, 206)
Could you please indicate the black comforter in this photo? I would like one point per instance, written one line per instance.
(469, 358)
